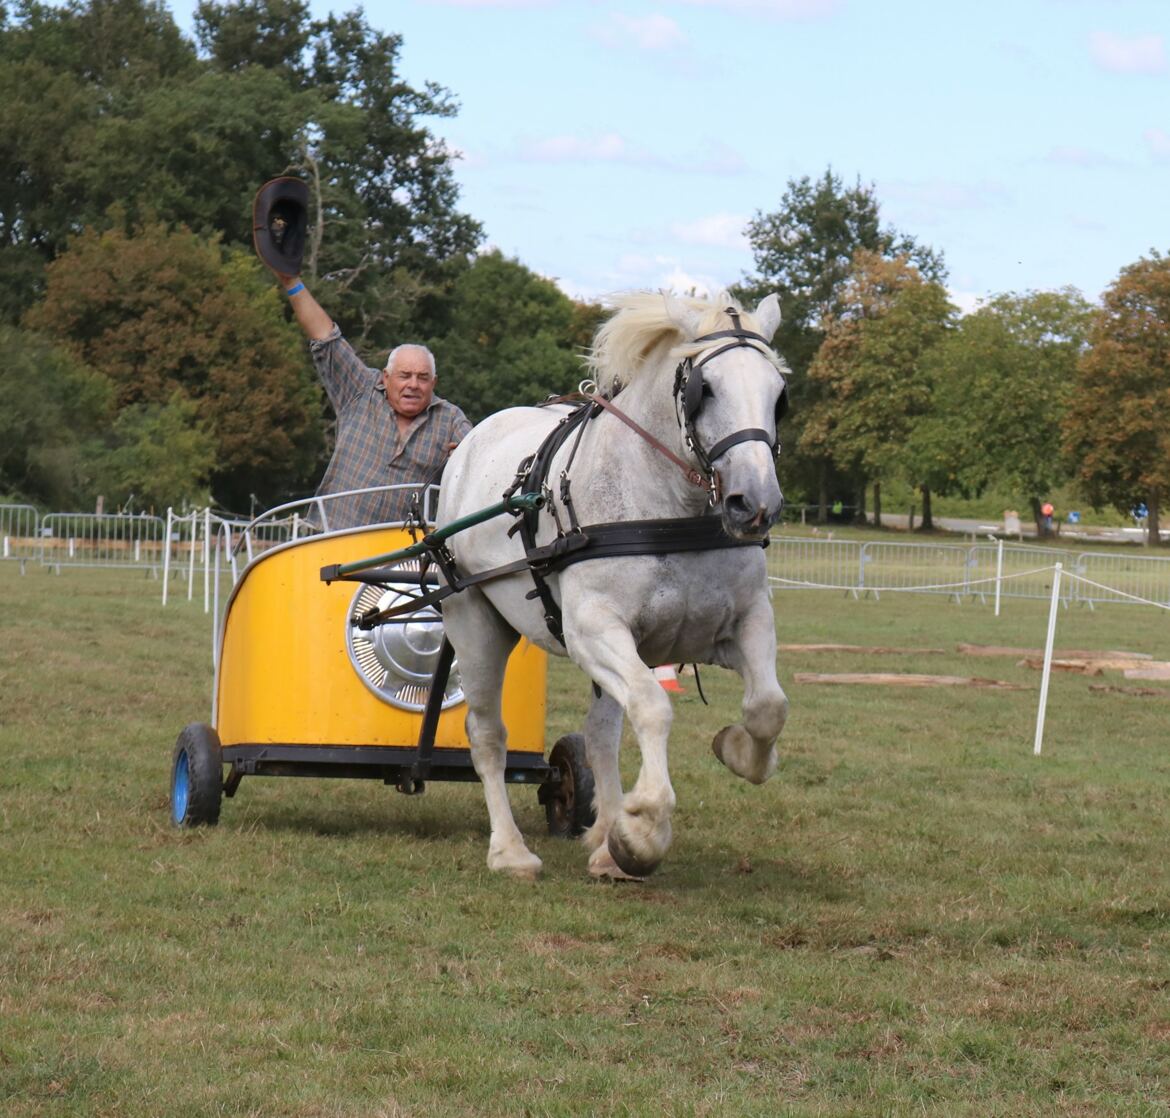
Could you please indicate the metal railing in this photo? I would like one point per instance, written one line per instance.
(20, 532)
(977, 571)
(79, 539)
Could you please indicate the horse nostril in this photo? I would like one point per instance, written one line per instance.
(740, 507)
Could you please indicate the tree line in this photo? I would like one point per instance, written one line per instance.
(149, 353)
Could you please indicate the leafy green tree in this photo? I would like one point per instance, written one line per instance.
(515, 338)
(804, 251)
(103, 103)
(1117, 429)
(162, 454)
(157, 311)
(873, 371)
(1003, 383)
(52, 409)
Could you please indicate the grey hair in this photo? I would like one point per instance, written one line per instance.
(411, 346)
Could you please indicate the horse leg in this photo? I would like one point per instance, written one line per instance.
(748, 748)
(639, 833)
(603, 735)
(484, 641)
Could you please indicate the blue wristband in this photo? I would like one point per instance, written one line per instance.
(295, 290)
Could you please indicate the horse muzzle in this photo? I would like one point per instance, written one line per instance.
(750, 517)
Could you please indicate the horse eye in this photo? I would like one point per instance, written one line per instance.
(708, 391)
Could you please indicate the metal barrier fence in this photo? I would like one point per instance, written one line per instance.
(20, 531)
(960, 571)
(78, 539)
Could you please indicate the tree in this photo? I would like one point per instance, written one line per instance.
(1003, 383)
(515, 338)
(1117, 429)
(104, 104)
(162, 454)
(52, 409)
(804, 251)
(872, 369)
(156, 311)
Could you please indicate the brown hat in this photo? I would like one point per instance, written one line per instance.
(280, 220)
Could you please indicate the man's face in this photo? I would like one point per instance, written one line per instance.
(410, 384)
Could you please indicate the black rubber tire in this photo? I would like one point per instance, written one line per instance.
(196, 777)
(568, 805)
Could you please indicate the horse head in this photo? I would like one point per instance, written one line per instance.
(730, 394)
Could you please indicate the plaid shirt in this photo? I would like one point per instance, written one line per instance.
(370, 451)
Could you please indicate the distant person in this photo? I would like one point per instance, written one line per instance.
(391, 427)
(1046, 511)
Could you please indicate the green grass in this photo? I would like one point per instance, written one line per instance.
(915, 916)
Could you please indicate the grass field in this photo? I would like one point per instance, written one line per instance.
(915, 916)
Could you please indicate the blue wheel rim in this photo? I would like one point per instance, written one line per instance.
(180, 788)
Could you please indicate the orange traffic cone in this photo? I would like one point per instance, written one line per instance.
(667, 678)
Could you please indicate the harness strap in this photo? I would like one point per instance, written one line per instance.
(610, 540)
(689, 472)
(747, 435)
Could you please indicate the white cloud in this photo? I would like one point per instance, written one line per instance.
(1158, 141)
(1142, 54)
(487, 4)
(721, 230)
(612, 147)
(608, 147)
(1078, 157)
(649, 33)
(779, 9)
(966, 301)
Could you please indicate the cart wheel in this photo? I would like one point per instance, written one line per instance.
(568, 805)
(196, 777)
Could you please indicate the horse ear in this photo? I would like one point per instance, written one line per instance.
(684, 317)
(767, 315)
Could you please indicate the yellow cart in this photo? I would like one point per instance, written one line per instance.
(301, 689)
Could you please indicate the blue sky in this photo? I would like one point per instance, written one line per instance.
(623, 144)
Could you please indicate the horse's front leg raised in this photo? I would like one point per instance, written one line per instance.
(748, 748)
(639, 831)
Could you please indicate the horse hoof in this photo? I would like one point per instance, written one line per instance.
(737, 749)
(601, 864)
(626, 860)
(522, 869)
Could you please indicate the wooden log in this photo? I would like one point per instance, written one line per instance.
(1078, 667)
(1063, 654)
(1158, 670)
(874, 650)
(906, 679)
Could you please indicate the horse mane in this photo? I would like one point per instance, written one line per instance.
(641, 323)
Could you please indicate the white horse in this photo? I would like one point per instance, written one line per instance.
(703, 382)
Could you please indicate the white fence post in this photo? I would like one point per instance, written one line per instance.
(998, 573)
(207, 560)
(167, 552)
(191, 554)
(1047, 674)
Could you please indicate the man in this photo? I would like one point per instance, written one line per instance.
(391, 427)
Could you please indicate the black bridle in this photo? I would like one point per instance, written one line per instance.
(688, 398)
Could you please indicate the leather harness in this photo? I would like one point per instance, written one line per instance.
(578, 543)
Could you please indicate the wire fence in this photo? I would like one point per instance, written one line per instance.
(964, 572)
(205, 546)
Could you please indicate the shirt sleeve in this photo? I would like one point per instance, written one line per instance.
(344, 374)
(460, 425)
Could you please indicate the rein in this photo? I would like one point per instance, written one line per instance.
(689, 472)
(529, 493)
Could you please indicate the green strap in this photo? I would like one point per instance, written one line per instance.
(518, 502)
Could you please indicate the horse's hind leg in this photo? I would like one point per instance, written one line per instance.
(483, 641)
(748, 748)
